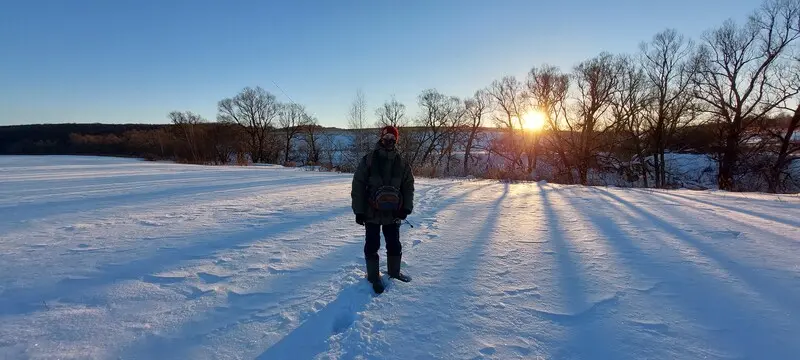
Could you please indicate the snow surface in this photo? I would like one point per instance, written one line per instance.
(107, 258)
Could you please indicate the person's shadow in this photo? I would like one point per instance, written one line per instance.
(310, 338)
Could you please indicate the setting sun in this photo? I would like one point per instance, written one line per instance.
(533, 120)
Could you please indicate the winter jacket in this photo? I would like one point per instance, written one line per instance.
(385, 164)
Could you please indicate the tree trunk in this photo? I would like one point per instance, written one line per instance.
(288, 148)
(567, 165)
(729, 158)
(583, 173)
(467, 152)
(657, 168)
(533, 154)
(774, 177)
(642, 161)
(663, 168)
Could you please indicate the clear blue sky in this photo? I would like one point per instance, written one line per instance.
(122, 61)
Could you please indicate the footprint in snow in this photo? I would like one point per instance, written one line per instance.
(318, 305)
(343, 321)
(416, 242)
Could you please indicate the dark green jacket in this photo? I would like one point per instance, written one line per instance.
(382, 166)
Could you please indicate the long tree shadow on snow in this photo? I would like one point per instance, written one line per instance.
(43, 209)
(782, 294)
(24, 301)
(744, 221)
(469, 264)
(705, 298)
(276, 294)
(482, 239)
(446, 203)
(310, 338)
(588, 336)
(752, 213)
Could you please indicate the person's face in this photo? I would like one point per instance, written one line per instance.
(388, 141)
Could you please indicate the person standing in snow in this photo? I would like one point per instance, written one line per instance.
(382, 196)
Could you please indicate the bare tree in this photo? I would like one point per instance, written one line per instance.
(780, 133)
(392, 113)
(786, 145)
(596, 80)
(222, 142)
(293, 118)
(629, 105)
(508, 98)
(455, 134)
(735, 67)
(476, 109)
(313, 133)
(437, 110)
(666, 61)
(357, 122)
(333, 149)
(187, 125)
(255, 110)
(548, 88)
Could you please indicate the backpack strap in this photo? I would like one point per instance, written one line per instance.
(370, 159)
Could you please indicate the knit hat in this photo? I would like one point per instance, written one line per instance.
(390, 130)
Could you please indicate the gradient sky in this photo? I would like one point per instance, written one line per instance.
(122, 61)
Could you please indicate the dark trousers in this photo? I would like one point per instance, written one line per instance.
(391, 233)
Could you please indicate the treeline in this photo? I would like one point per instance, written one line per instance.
(731, 95)
(47, 139)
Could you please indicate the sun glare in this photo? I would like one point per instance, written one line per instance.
(534, 120)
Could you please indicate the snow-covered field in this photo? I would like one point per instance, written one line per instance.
(121, 259)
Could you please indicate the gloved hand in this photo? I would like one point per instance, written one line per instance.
(402, 214)
(360, 219)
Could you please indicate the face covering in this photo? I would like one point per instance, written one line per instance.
(388, 144)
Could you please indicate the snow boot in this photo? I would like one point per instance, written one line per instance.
(393, 265)
(374, 275)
